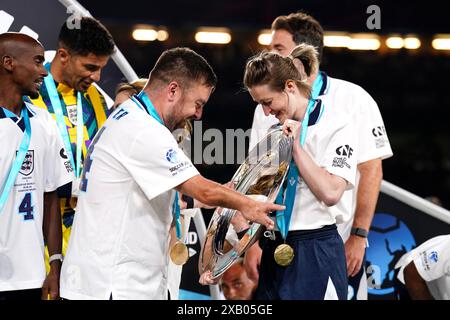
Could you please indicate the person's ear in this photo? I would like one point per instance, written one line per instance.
(64, 55)
(173, 91)
(290, 86)
(7, 63)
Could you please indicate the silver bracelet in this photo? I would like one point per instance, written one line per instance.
(56, 256)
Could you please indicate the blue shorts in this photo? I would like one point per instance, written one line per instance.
(317, 272)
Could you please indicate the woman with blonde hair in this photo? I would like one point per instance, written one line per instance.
(304, 258)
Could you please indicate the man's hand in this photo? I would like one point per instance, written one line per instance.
(354, 254)
(206, 279)
(252, 260)
(257, 211)
(50, 288)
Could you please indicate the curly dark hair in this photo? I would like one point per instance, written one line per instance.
(91, 37)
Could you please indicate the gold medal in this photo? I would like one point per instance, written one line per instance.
(283, 255)
(179, 253)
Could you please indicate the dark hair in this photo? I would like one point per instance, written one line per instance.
(183, 65)
(90, 37)
(274, 70)
(304, 29)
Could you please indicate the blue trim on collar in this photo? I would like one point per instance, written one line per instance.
(323, 89)
(5, 113)
(316, 113)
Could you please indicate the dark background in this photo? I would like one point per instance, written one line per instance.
(410, 86)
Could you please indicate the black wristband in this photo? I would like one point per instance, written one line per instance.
(360, 232)
(189, 201)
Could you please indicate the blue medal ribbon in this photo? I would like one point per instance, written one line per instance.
(57, 107)
(17, 164)
(283, 217)
(150, 108)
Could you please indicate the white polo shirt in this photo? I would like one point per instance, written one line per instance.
(371, 139)
(432, 261)
(120, 236)
(45, 168)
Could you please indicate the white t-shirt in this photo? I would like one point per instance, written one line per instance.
(432, 261)
(330, 142)
(45, 168)
(120, 235)
(353, 101)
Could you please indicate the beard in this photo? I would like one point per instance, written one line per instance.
(32, 94)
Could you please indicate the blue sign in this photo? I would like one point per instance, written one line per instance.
(389, 240)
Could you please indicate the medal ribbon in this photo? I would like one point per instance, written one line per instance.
(283, 217)
(56, 104)
(20, 157)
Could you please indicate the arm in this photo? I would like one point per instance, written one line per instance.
(53, 238)
(214, 194)
(416, 286)
(371, 174)
(252, 260)
(324, 185)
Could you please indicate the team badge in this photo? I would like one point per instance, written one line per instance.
(72, 114)
(28, 163)
(172, 156)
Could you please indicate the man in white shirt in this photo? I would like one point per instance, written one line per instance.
(372, 145)
(120, 238)
(425, 270)
(33, 164)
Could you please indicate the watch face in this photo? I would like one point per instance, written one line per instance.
(260, 177)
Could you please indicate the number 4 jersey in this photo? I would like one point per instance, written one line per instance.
(44, 169)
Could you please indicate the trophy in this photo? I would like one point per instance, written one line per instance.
(260, 177)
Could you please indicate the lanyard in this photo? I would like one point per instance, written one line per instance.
(148, 105)
(20, 157)
(283, 217)
(56, 104)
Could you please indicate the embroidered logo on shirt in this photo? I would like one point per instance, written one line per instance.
(67, 164)
(433, 256)
(72, 114)
(28, 163)
(172, 156)
(345, 152)
(379, 133)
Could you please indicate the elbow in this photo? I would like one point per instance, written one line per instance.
(331, 198)
(333, 195)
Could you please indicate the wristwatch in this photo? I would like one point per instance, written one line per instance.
(360, 232)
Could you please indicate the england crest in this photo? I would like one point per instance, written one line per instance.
(72, 114)
(28, 163)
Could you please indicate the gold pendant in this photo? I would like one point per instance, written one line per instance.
(283, 255)
(179, 253)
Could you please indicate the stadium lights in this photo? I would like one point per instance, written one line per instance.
(364, 41)
(149, 33)
(441, 42)
(395, 42)
(412, 43)
(213, 35)
(264, 38)
(336, 40)
(163, 35)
